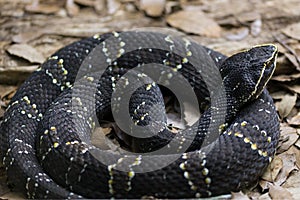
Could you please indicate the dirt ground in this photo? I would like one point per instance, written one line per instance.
(30, 31)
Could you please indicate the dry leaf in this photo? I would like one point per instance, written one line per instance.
(90, 3)
(288, 136)
(27, 36)
(293, 88)
(239, 196)
(239, 34)
(264, 184)
(41, 8)
(15, 75)
(273, 169)
(292, 184)
(113, 6)
(286, 105)
(293, 180)
(153, 8)
(247, 16)
(72, 8)
(6, 90)
(297, 144)
(264, 197)
(194, 22)
(284, 78)
(256, 27)
(289, 161)
(278, 192)
(295, 120)
(296, 151)
(293, 31)
(27, 52)
(293, 60)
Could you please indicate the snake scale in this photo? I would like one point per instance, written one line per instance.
(46, 129)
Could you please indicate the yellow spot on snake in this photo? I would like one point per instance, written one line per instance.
(182, 166)
(205, 171)
(186, 175)
(96, 36)
(55, 145)
(189, 53)
(122, 44)
(65, 72)
(207, 180)
(131, 174)
(179, 66)
(264, 154)
(185, 60)
(238, 134)
(148, 87)
(89, 78)
(244, 123)
(52, 128)
(60, 61)
(246, 140)
(253, 146)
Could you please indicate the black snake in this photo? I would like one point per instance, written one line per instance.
(46, 129)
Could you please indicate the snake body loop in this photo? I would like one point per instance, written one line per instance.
(46, 131)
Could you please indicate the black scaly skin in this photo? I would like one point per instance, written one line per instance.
(235, 160)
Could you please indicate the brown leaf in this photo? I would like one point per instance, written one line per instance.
(278, 192)
(293, 60)
(264, 185)
(72, 8)
(247, 16)
(292, 184)
(41, 8)
(113, 6)
(27, 52)
(293, 181)
(27, 36)
(264, 197)
(288, 137)
(293, 88)
(6, 90)
(90, 3)
(296, 151)
(297, 144)
(289, 161)
(256, 27)
(239, 196)
(194, 22)
(98, 137)
(295, 120)
(153, 8)
(292, 30)
(286, 105)
(273, 170)
(284, 78)
(239, 34)
(15, 75)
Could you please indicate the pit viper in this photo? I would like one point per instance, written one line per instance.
(46, 130)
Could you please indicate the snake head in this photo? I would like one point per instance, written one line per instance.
(247, 73)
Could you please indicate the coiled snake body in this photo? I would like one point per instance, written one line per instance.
(46, 129)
